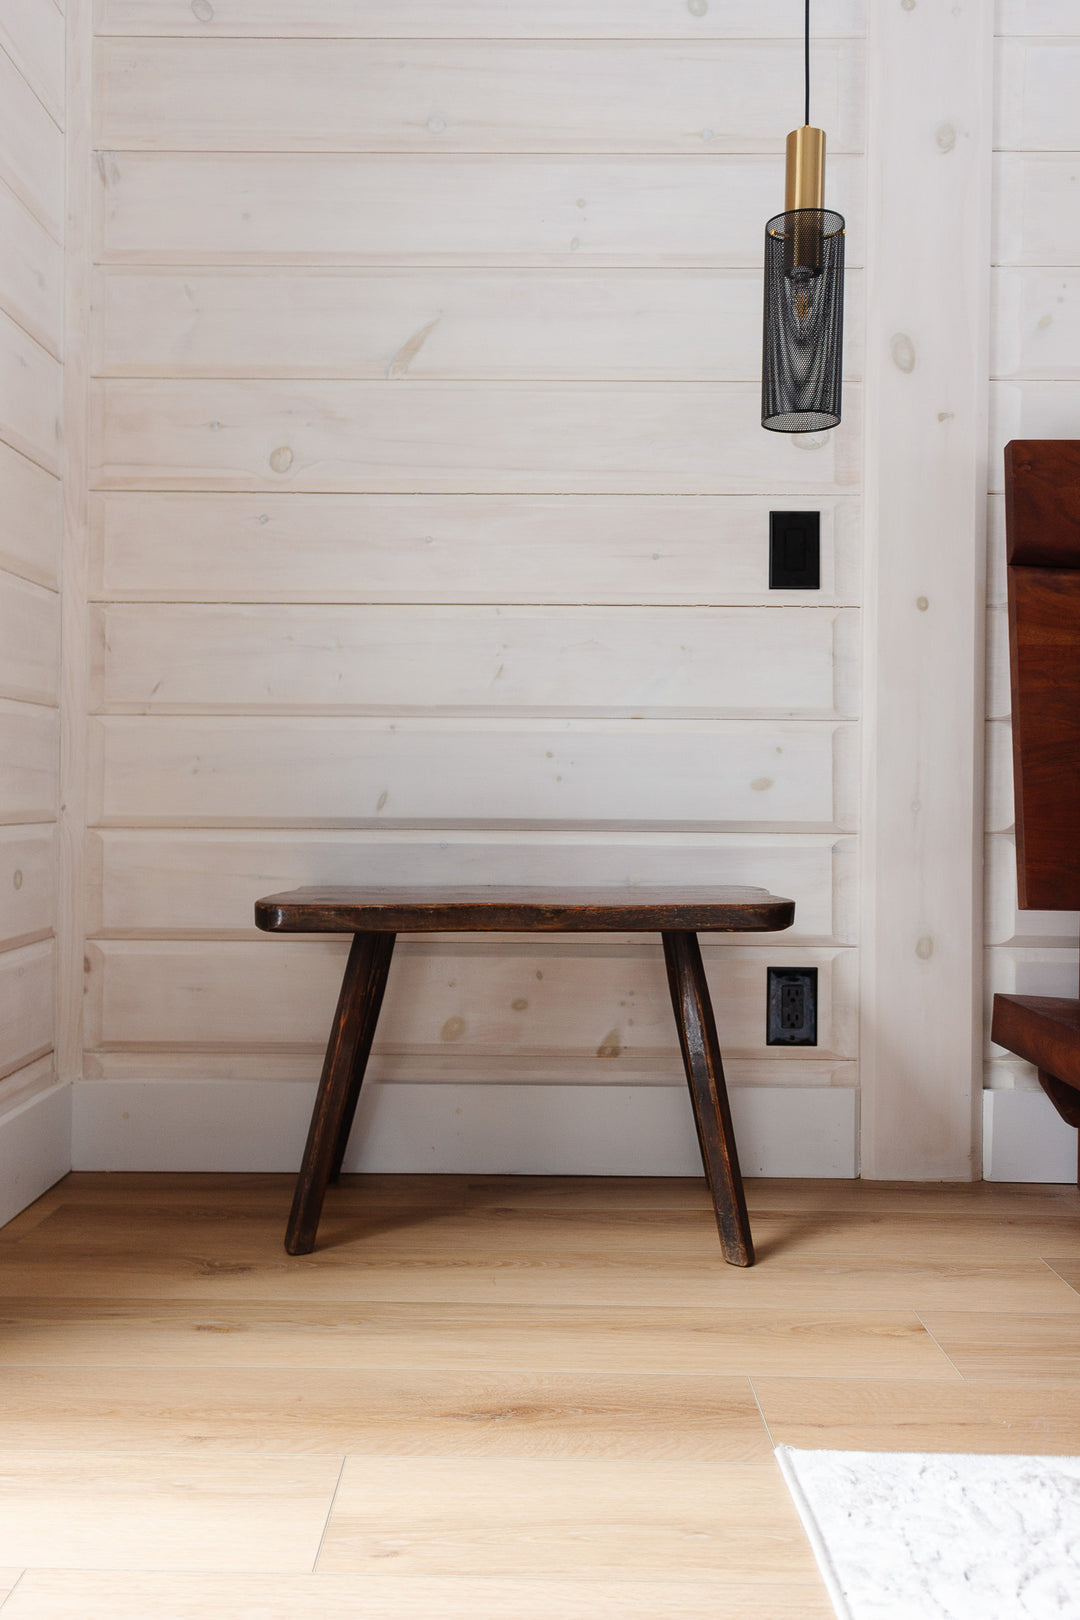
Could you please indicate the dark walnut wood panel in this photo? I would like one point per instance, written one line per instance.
(403, 910)
(375, 916)
(1042, 503)
(1042, 520)
(1044, 661)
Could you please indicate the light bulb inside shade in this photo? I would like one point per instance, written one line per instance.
(802, 358)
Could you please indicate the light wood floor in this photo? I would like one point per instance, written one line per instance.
(494, 1399)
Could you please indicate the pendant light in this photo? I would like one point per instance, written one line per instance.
(803, 343)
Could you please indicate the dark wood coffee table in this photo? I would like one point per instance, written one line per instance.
(375, 916)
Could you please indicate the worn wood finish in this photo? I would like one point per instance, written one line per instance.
(381, 951)
(343, 1073)
(705, 1077)
(346, 910)
(375, 916)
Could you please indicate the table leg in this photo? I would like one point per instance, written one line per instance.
(347, 1052)
(705, 1077)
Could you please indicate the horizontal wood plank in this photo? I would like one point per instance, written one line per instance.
(30, 532)
(1037, 107)
(303, 208)
(145, 882)
(483, 19)
(29, 742)
(32, 34)
(421, 548)
(510, 1518)
(29, 640)
(31, 272)
(297, 95)
(26, 1004)
(1035, 326)
(27, 882)
(661, 438)
(736, 662)
(30, 381)
(490, 998)
(1034, 220)
(1012, 16)
(351, 771)
(31, 149)
(591, 324)
(47, 1594)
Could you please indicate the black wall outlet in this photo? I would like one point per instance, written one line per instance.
(792, 1007)
(794, 551)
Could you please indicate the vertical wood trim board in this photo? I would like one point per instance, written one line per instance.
(74, 691)
(34, 1111)
(929, 156)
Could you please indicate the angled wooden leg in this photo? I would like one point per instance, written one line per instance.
(373, 995)
(705, 1077)
(343, 1071)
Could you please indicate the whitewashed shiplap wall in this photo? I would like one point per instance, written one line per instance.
(429, 539)
(1035, 393)
(33, 1144)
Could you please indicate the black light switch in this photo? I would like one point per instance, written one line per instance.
(794, 551)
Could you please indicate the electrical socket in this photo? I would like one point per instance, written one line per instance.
(794, 551)
(791, 1018)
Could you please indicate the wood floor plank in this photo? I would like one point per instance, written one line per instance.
(497, 1356)
(1026, 1419)
(468, 1338)
(94, 1510)
(576, 1192)
(58, 1595)
(611, 1234)
(995, 1344)
(8, 1578)
(1068, 1271)
(245, 1263)
(597, 1520)
(226, 1411)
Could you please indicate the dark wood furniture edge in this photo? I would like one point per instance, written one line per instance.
(555, 911)
(694, 1019)
(1045, 1030)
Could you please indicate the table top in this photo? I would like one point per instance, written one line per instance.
(504, 909)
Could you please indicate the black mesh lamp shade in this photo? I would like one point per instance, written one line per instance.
(803, 339)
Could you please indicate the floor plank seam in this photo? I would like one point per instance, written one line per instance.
(329, 1515)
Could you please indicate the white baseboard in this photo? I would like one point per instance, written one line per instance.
(35, 1148)
(1026, 1139)
(459, 1128)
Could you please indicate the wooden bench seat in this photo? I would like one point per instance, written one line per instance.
(375, 916)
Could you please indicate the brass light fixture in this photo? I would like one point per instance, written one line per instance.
(803, 341)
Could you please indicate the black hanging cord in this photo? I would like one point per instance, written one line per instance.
(806, 60)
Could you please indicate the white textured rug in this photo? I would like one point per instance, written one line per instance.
(915, 1536)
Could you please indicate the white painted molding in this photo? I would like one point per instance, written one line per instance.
(1026, 1139)
(35, 1148)
(74, 672)
(928, 263)
(459, 1128)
